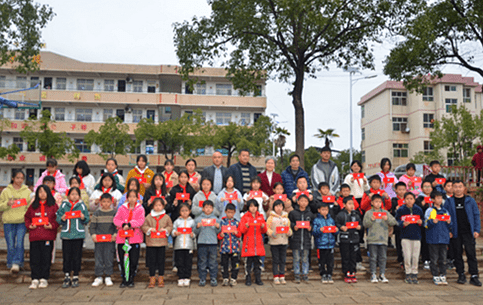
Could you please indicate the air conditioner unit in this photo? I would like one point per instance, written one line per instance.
(407, 130)
(129, 79)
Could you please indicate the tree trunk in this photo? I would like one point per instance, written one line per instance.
(299, 115)
(228, 161)
(281, 156)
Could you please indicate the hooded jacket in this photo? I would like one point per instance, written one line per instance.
(230, 243)
(378, 230)
(149, 227)
(252, 236)
(60, 185)
(136, 222)
(323, 240)
(274, 221)
(207, 235)
(477, 160)
(436, 233)
(319, 176)
(184, 241)
(351, 235)
(301, 238)
(14, 215)
(73, 228)
(136, 173)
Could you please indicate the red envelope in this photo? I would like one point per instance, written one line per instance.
(388, 180)
(232, 196)
(378, 215)
(103, 238)
(303, 224)
(400, 202)
(228, 229)
(40, 221)
(193, 180)
(184, 230)
(200, 203)
(126, 233)
(208, 222)
(306, 193)
(416, 179)
(73, 214)
(352, 225)
(169, 184)
(440, 180)
(19, 203)
(256, 194)
(412, 218)
(282, 230)
(182, 196)
(142, 180)
(255, 223)
(282, 197)
(358, 175)
(328, 199)
(427, 199)
(329, 229)
(443, 217)
(158, 234)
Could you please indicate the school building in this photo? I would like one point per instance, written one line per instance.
(81, 96)
(396, 123)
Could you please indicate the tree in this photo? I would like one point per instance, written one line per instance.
(112, 138)
(423, 157)
(342, 159)
(21, 24)
(444, 32)
(39, 135)
(312, 156)
(280, 141)
(11, 151)
(327, 134)
(287, 40)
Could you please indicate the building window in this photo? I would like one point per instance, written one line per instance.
(150, 114)
(85, 84)
(137, 86)
(19, 142)
(400, 150)
(82, 146)
(137, 115)
(258, 91)
(428, 120)
(428, 94)
(363, 134)
(21, 82)
(108, 85)
(399, 98)
(149, 147)
(34, 80)
(61, 83)
(466, 95)
(449, 103)
(223, 89)
(3, 81)
(83, 115)
(60, 114)
(200, 89)
(1, 118)
(223, 118)
(20, 114)
(151, 86)
(428, 147)
(363, 156)
(449, 88)
(245, 118)
(399, 124)
(135, 149)
(363, 112)
(167, 109)
(108, 113)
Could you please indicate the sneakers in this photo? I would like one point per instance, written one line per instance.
(186, 282)
(348, 278)
(67, 282)
(282, 280)
(450, 264)
(437, 280)
(98, 281)
(426, 265)
(329, 279)
(34, 285)
(305, 278)
(43, 283)
(324, 279)
(213, 282)
(108, 281)
(276, 281)
(475, 281)
(408, 279)
(15, 268)
(383, 278)
(181, 283)
(175, 269)
(297, 279)
(233, 282)
(461, 279)
(442, 279)
(75, 282)
(414, 279)
(374, 278)
(353, 278)
(202, 283)
(226, 282)
(360, 267)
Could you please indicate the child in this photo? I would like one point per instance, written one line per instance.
(41, 237)
(375, 183)
(222, 199)
(182, 187)
(386, 173)
(278, 241)
(448, 188)
(397, 202)
(82, 170)
(111, 168)
(156, 222)
(141, 171)
(170, 176)
(204, 194)
(262, 200)
(408, 178)
(157, 190)
(72, 235)
(130, 216)
(194, 176)
(52, 170)
(335, 206)
(279, 190)
(424, 202)
(377, 235)
(301, 241)
(252, 226)
(108, 186)
(435, 169)
(410, 236)
(132, 184)
(184, 244)
(348, 239)
(75, 181)
(437, 237)
(49, 181)
(325, 242)
(230, 245)
(207, 243)
(302, 186)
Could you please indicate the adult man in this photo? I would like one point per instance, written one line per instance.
(477, 162)
(465, 228)
(243, 171)
(325, 170)
(292, 173)
(216, 172)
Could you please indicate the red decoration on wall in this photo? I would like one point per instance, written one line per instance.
(84, 158)
(83, 126)
(14, 125)
(24, 125)
(22, 158)
(42, 158)
(72, 126)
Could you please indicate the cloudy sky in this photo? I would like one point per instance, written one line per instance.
(141, 32)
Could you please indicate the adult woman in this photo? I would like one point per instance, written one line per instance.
(269, 177)
(142, 173)
(358, 185)
(194, 176)
(13, 203)
(388, 178)
(82, 170)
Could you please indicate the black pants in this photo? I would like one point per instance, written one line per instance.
(234, 259)
(424, 245)
(133, 261)
(326, 261)
(478, 176)
(253, 263)
(450, 254)
(72, 255)
(468, 241)
(41, 259)
(184, 262)
(348, 253)
(437, 254)
(279, 258)
(155, 258)
(397, 235)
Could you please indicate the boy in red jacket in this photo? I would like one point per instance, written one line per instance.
(375, 183)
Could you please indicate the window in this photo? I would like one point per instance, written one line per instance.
(60, 114)
(428, 94)
(85, 84)
(137, 115)
(258, 91)
(135, 149)
(150, 114)
(83, 115)
(466, 95)
(399, 124)
(18, 142)
(449, 103)
(108, 113)
(20, 114)
(108, 85)
(34, 80)
(189, 113)
(200, 89)
(449, 88)
(428, 120)
(137, 86)
(151, 86)
(363, 156)
(223, 151)
(120, 114)
(428, 147)
(245, 118)
(167, 109)
(82, 146)
(149, 147)
(363, 112)
(223, 118)
(21, 82)
(363, 134)
(399, 98)
(61, 83)
(223, 89)
(400, 150)
(3, 81)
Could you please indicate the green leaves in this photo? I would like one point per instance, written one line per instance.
(112, 138)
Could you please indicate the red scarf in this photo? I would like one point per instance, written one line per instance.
(373, 191)
(157, 220)
(72, 208)
(159, 194)
(207, 195)
(139, 173)
(48, 174)
(53, 193)
(168, 175)
(42, 207)
(183, 187)
(192, 175)
(104, 190)
(129, 218)
(385, 177)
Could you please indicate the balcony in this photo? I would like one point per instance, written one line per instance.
(69, 127)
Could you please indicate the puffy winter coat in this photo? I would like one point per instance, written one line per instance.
(436, 233)
(252, 236)
(230, 243)
(351, 235)
(274, 221)
(472, 212)
(412, 231)
(41, 233)
(136, 222)
(301, 238)
(323, 240)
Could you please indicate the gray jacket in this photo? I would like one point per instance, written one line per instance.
(318, 176)
(196, 210)
(207, 235)
(184, 241)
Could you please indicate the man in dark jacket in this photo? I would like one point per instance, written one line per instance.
(291, 174)
(243, 171)
(216, 172)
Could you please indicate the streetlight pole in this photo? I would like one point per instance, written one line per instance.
(273, 115)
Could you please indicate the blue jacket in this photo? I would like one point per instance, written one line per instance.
(289, 182)
(323, 240)
(230, 243)
(436, 233)
(236, 171)
(412, 231)
(472, 212)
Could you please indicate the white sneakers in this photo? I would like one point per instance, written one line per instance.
(186, 282)
(34, 285)
(15, 268)
(108, 281)
(180, 283)
(97, 282)
(39, 284)
(43, 283)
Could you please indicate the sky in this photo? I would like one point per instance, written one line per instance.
(141, 32)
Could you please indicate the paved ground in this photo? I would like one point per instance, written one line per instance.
(396, 292)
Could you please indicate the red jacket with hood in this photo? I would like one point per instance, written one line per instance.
(252, 236)
(477, 160)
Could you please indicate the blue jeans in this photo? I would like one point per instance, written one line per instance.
(207, 259)
(297, 255)
(14, 236)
